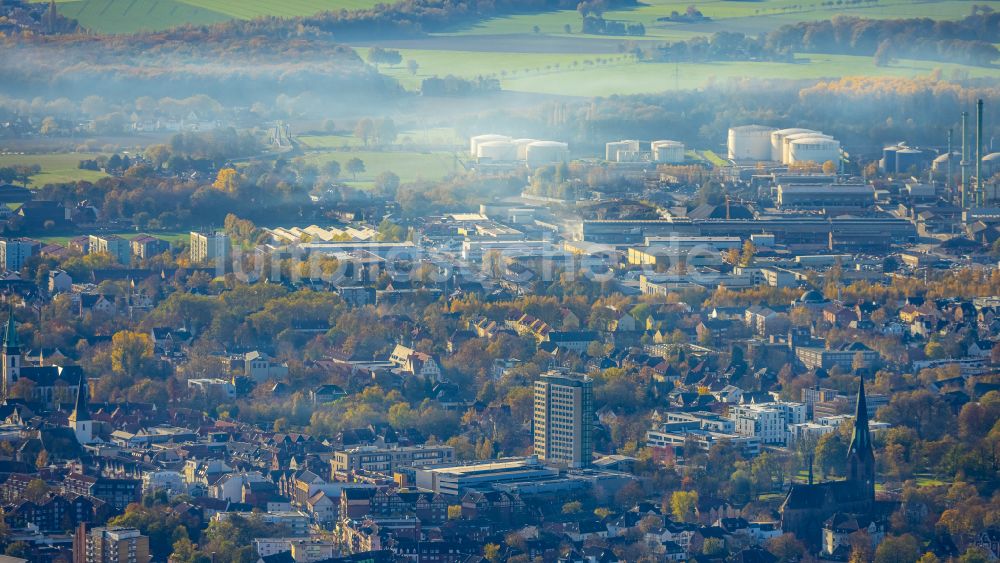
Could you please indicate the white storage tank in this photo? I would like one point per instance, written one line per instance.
(786, 155)
(522, 147)
(991, 164)
(541, 153)
(750, 143)
(479, 139)
(671, 152)
(496, 151)
(814, 149)
(778, 141)
(612, 149)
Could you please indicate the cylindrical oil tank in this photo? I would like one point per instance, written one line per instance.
(479, 139)
(522, 147)
(497, 151)
(786, 151)
(888, 161)
(907, 159)
(671, 152)
(750, 143)
(541, 153)
(814, 149)
(612, 149)
(778, 140)
(941, 162)
(991, 164)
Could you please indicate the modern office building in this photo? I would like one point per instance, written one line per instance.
(564, 413)
(110, 545)
(767, 421)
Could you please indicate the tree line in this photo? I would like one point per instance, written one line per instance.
(967, 41)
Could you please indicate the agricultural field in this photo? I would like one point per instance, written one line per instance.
(409, 166)
(606, 75)
(56, 167)
(726, 15)
(126, 16)
(344, 141)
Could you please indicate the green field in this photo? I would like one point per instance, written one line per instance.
(126, 16)
(409, 166)
(751, 17)
(173, 237)
(604, 75)
(123, 16)
(56, 168)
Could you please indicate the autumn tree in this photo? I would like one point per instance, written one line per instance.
(130, 351)
(227, 180)
(364, 129)
(683, 504)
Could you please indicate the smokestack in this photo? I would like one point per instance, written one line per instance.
(980, 189)
(949, 178)
(965, 160)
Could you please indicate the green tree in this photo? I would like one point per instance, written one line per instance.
(898, 549)
(831, 454)
(713, 546)
(36, 490)
(19, 549)
(355, 166)
(572, 507)
(332, 169)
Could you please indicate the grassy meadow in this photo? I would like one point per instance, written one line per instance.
(410, 166)
(56, 167)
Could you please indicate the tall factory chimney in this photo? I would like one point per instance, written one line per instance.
(964, 164)
(949, 178)
(980, 188)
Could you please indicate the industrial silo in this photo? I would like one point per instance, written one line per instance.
(888, 161)
(941, 161)
(786, 151)
(496, 151)
(612, 149)
(479, 139)
(778, 141)
(750, 143)
(671, 152)
(991, 165)
(522, 147)
(541, 153)
(907, 159)
(814, 149)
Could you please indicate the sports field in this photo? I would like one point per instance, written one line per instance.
(56, 168)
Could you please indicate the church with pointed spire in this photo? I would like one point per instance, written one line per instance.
(11, 354)
(48, 385)
(808, 506)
